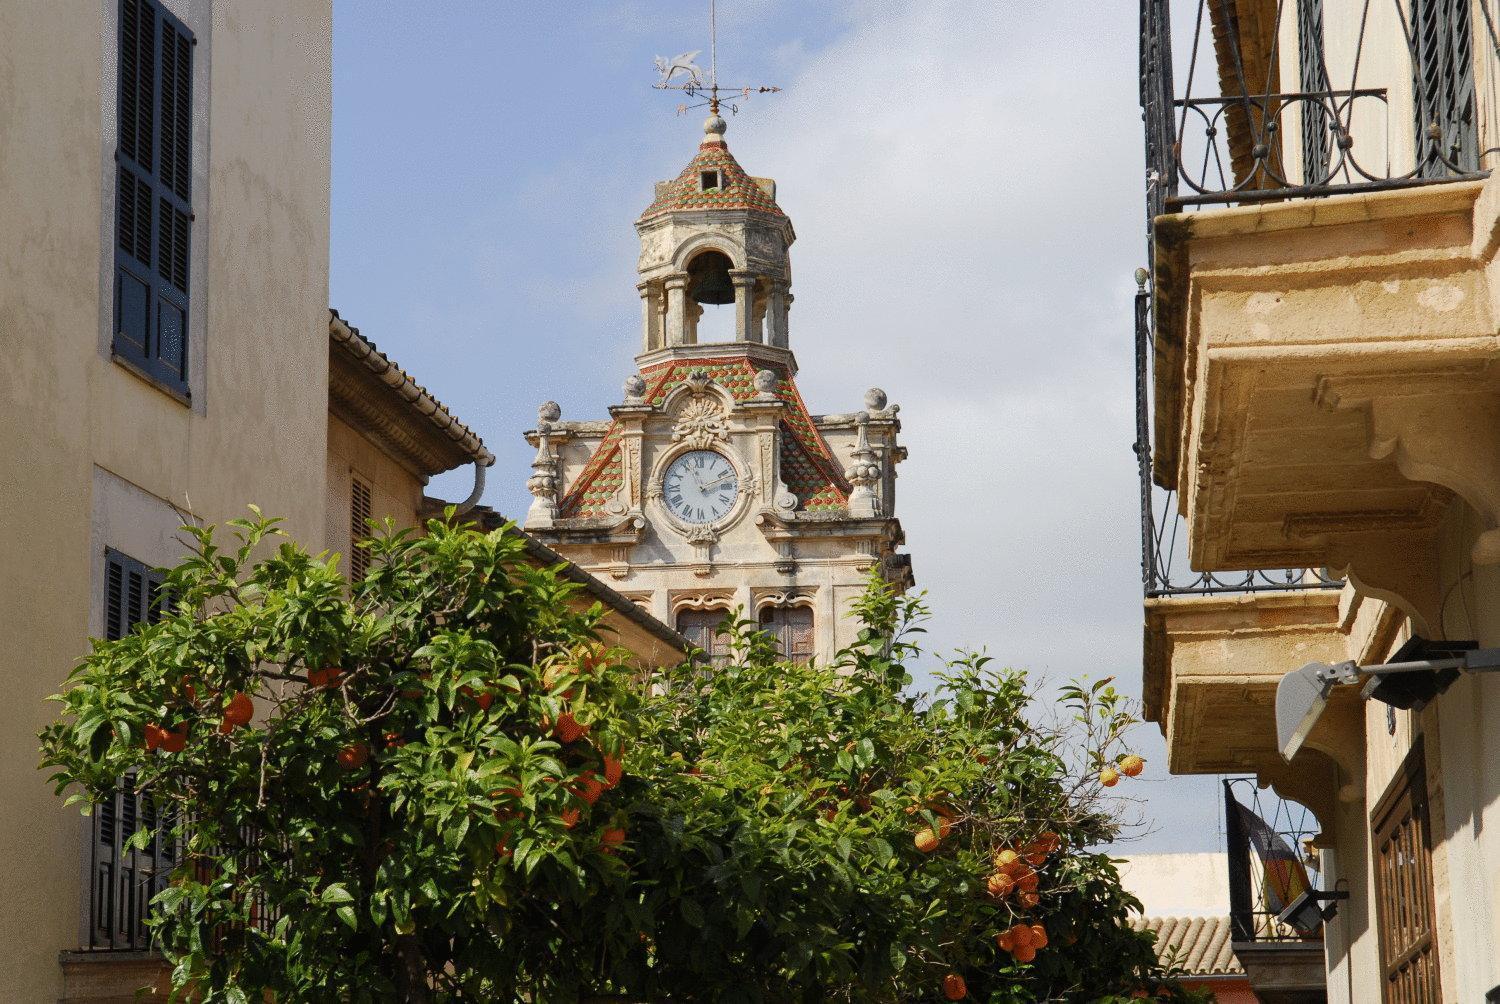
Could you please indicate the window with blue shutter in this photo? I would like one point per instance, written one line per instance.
(153, 192)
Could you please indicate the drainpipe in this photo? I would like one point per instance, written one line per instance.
(473, 499)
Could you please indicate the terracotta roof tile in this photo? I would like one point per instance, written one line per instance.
(1197, 945)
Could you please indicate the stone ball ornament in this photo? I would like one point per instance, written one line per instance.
(549, 411)
(765, 381)
(635, 386)
(875, 399)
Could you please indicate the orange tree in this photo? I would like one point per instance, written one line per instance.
(438, 784)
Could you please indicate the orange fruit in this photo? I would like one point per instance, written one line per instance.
(1109, 777)
(1007, 861)
(1021, 935)
(1000, 885)
(589, 787)
(1030, 898)
(954, 987)
(1006, 940)
(570, 818)
(611, 839)
(926, 840)
(174, 741)
(945, 826)
(328, 676)
(154, 735)
(1038, 936)
(1132, 766)
(568, 728)
(1049, 840)
(238, 711)
(1026, 954)
(1036, 855)
(614, 769)
(393, 740)
(502, 847)
(353, 756)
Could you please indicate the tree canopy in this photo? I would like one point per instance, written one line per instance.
(440, 783)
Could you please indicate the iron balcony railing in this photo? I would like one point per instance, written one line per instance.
(1270, 860)
(1274, 104)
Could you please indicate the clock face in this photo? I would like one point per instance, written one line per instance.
(700, 486)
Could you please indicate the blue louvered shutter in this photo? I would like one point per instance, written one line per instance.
(1443, 86)
(132, 594)
(153, 191)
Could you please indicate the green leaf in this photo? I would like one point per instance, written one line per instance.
(336, 893)
(346, 914)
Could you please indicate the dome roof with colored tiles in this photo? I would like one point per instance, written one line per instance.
(736, 189)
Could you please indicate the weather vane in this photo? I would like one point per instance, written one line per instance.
(681, 73)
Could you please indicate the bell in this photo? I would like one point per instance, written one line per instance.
(712, 286)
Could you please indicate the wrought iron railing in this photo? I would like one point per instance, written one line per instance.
(1236, 133)
(123, 879)
(1270, 861)
(1164, 559)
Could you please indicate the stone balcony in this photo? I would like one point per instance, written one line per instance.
(1327, 381)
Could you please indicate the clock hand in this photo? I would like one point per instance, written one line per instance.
(718, 481)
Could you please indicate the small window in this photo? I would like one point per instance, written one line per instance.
(792, 630)
(701, 628)
(361, 497)
(710, 180)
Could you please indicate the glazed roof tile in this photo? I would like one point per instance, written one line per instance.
(738, 191)
(807, 464)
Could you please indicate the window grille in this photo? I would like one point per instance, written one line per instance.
(1403, 886)
(1442, 53)
(153, 192)
(360, 509)
(1316, 119)
(792, 630)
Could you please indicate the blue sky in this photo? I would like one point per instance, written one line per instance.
(965, 181)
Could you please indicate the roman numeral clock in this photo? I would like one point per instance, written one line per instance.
(711, 487)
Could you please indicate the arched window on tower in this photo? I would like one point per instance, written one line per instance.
(792, 630)
(710, 293)
(701, 628)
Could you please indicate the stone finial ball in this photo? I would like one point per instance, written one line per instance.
(875, 399)
(550, 411)
(765, 381)
(635, 386)
(714, 125)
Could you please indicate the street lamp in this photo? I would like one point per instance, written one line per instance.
(1417, 672)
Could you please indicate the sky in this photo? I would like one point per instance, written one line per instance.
(964, 177)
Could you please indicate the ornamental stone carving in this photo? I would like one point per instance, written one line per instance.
(864, 472)
(701, 422)
(635, 389)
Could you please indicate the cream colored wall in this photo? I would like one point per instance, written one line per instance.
(256, 428)
(396, 494)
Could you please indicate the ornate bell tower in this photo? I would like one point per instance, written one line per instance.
(712, 487)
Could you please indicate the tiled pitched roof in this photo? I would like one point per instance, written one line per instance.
(405, 393)
(738, 191)
(1198, 945)
(807, 464)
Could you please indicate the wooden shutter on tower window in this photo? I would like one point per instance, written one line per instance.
(1402, 845)
(792, 629)
(361, 506)
(701, 627)
(153, 191)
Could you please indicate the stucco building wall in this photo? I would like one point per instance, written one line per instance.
(93, 454)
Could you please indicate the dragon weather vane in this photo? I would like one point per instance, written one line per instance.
(681, 73)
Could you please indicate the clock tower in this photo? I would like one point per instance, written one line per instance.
(711, 487)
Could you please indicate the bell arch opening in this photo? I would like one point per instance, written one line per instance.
(710, 294)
